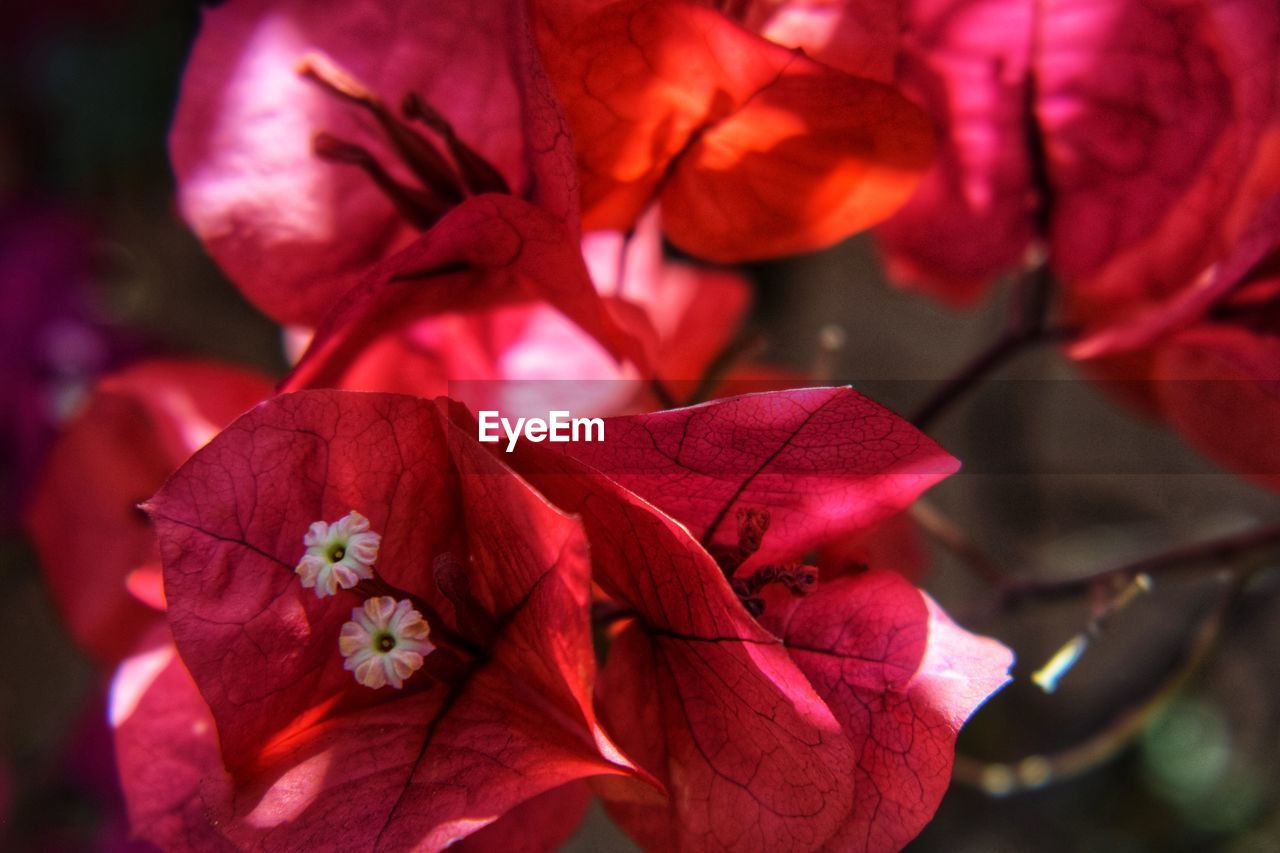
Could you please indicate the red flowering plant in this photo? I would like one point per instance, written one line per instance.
(783, 708)
(753, 150)
(357, 166)
(1133, 146)
(353, 623)
(389, 632)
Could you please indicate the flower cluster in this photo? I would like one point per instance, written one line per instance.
(423, 193)
(386, 639)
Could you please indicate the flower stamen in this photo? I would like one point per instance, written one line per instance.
(418, 153)
(799, 581)
(446, 179)
(419, 208)
(477, 173)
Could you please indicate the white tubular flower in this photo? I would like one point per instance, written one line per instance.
(385, 642)
(338, 555)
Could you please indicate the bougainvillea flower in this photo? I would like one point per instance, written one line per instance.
(312, 141)
(338, 555)
(782, 710)
(385, 642)
(500, 710)
(1208, 355)
(97, 550)
(753, 150)
(1134, 140)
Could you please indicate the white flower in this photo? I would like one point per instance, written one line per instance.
(339, 554)
(385, 642)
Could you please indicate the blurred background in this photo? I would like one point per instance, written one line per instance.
(1059, 481)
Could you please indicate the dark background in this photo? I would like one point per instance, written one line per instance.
(97, 269)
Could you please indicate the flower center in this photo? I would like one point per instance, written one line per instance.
(338, 555)
(444, 180)
(799, 580)
(385, 642)
(752, 526)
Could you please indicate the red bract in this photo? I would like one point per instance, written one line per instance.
(500, 712)
(494, 249)
(752, 149)
(828, 722)
(1132, 139)
(1220, 374)
(167, 750)
(824, 462)
(297, 187)
(95, 545)
(901, 678)
(529, 359)
(1210, 355)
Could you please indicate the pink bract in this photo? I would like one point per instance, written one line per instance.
(501, 712)
(830, 720)
(1135, 141)
(294, 231)
(528, 359)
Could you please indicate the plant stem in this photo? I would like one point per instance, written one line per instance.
(1036, 771)
(952, 537)
(1024, 327)
(1014, 591)
(1213, 552)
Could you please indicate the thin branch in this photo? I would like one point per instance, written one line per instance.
(952, 537)
(1014, 591)
(1036, 771)
(1211, 552)
(1048, 676)
(1024, 328)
